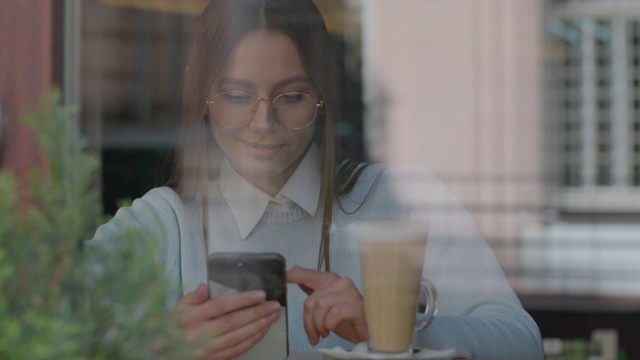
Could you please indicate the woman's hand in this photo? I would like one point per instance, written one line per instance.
(334, 304)
(237, 322)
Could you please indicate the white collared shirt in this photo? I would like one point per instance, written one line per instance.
(248, 203)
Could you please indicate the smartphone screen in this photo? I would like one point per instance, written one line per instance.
(232, 273)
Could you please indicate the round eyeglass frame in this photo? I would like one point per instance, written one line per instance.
(319, 104)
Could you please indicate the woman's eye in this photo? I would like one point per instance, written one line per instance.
(292, 97)
(236, 98)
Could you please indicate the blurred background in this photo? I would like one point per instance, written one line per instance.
(529, 110)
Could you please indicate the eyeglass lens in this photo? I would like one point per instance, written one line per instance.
(234, 109)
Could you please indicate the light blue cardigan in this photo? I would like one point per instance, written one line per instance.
(479, 315)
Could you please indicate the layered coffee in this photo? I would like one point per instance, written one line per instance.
(391, 272)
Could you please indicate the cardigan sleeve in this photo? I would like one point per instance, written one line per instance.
(152, 216)
(479, 314)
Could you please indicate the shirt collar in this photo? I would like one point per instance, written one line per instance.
(248, 203)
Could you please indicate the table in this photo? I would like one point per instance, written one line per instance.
(299, 355)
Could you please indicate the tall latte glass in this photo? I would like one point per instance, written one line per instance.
(391, 260)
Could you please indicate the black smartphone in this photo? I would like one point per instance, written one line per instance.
(232, 273)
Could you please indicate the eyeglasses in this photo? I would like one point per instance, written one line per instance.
(235, 109)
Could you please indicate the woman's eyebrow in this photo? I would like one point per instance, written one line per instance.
(227, 80)
(293, 79)
(235, 81)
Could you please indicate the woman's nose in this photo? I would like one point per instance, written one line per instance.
(264, 119)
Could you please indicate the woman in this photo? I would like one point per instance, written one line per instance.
(259, 90)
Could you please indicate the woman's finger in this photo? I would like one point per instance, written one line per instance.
(219, 306)
(236, 320)
(314, 283)
(196, 297)
(226, 304)
(186, 308)
(334, 301)
(321, 306)
(241, 348)
(338, 313)
(347, 314)
(310, 280)
(344, 302)
(307, 320)
(229, 341)
(315, 308)
(339, 291)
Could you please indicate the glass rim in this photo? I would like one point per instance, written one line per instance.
(389, 230)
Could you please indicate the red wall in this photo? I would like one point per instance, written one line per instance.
(25, 74)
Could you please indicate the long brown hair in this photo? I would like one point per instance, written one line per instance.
(222, 24)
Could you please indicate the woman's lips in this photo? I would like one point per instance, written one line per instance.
(262, 151)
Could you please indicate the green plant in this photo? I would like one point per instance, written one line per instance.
(60, 299)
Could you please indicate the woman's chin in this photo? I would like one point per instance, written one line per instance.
(261, 170)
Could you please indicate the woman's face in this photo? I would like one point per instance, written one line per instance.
(265, 64)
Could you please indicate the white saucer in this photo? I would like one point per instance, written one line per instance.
(360, 352)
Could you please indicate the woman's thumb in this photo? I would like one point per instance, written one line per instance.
(198, 296)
